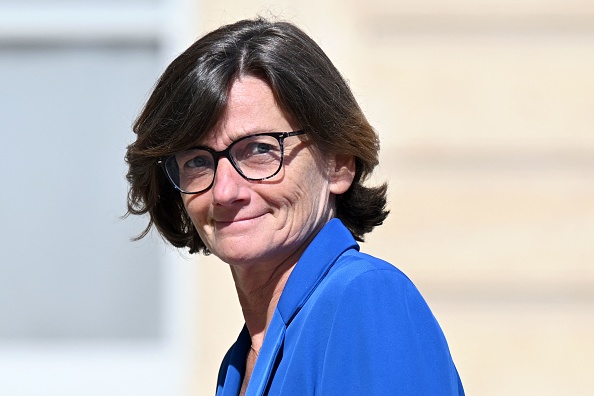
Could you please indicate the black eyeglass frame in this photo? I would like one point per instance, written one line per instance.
(216, 155)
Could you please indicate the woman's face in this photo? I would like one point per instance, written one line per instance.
(265, 222)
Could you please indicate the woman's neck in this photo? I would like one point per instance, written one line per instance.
(259, 291)
(259, 287)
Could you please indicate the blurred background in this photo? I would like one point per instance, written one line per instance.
(485, 111)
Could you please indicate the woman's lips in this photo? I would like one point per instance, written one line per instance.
(237, 221)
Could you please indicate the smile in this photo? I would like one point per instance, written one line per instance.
(239, 221)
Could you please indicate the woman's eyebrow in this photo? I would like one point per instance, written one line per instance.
(239, 136)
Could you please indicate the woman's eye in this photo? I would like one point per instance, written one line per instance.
(198, 162)
(261, 148)
(255, 148)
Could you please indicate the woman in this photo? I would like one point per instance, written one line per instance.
(253, 148)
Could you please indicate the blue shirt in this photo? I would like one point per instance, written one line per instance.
(346, 324)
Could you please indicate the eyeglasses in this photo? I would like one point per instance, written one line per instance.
(254, 157)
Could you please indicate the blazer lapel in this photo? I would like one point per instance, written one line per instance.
(273, 342)
(236, 367)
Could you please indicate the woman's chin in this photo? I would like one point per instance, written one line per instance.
(240, 251)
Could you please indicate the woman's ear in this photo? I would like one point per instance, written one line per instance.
(342, 173)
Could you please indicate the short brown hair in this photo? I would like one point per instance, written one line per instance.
(191, 95)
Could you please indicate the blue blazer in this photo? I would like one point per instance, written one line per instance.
(346, 324)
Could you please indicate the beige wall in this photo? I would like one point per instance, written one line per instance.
(486, 115)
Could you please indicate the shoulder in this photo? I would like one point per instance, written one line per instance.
(364, 294)
(370, 289)
(379, 323)
(356, 269)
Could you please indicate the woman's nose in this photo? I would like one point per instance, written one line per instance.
(228, 184)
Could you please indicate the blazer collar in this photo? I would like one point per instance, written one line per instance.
(333, 240)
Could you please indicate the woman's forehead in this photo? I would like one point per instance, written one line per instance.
(251, 108)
